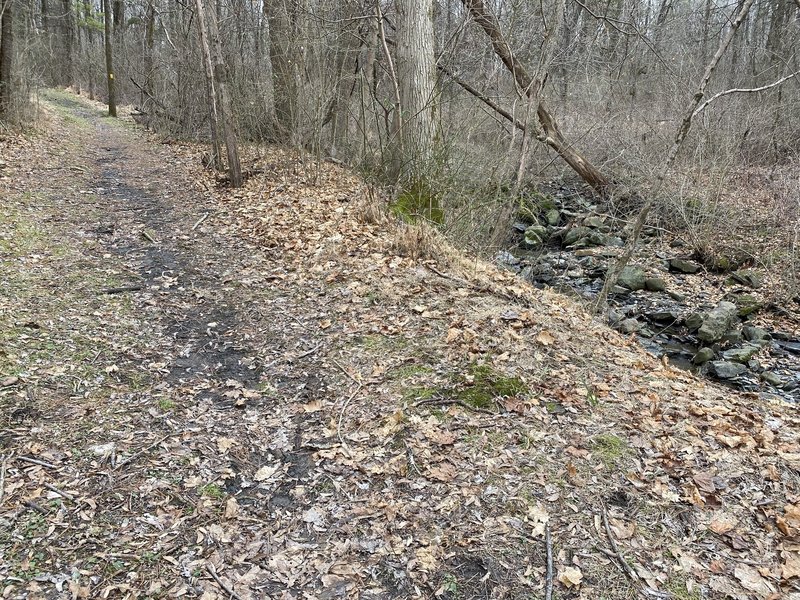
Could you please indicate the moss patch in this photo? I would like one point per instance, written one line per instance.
(609, 448)
(485, 385)
(416, 202)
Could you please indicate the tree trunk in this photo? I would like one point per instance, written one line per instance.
(6, 56)
(110, 77)
(416, 74)
(215, 67)
(281, 51)
(68, 32)
(211, 92)
(550, 132)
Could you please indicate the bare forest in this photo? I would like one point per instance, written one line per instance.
(400, 299)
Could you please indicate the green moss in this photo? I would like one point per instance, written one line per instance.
(609, 448)
(415, 394)
(409, 371)
(677, 586)
(485, 385)
(418, 201)
(211, 490)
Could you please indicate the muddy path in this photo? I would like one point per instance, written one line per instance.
(274, 392)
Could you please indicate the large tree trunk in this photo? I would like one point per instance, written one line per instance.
(284, 66)
(6, 55)
(110, 77)
(215, 67)
(416, 74)
(550, 133)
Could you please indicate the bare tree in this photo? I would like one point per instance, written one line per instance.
(550, 132)
(416, 73)
(219, 97)
(110, 77)
(6, 55)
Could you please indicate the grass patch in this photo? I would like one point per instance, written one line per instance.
(212, 490)
(609, 448)
(409, 371)
(485, 385)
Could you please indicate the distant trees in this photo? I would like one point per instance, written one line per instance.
(6, 54)
(395, 87)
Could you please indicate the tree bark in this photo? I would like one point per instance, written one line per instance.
(216, 66)
(68, 32)
(211, 92)
(550, 133)
(110, 77)
(416, 74)
(6, 55)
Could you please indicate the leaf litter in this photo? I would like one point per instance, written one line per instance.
(301, 398)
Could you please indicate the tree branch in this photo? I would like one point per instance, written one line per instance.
(703, 106)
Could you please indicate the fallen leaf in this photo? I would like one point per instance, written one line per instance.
(722, 522)
(443, 472)
(265, 473)
(570, 576)
(545, 338)
(752, 580)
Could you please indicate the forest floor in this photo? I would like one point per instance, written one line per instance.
(273, 393)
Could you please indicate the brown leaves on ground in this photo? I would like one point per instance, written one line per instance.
(371, 425)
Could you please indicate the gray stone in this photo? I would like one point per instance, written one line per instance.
(677, 296)
(772, 378)
(535, 236)
(576, 234)
(741, 355)
(629, 326)
(506, 258)
(663, 316)
(723, 369)
(655, 284)
(755, 334)
(717, 322)
(632, 278)
(595, 222)
(703, 356)
(620, 291)
(748, 304)
(520, 226)
(694, 321)
(683, 266)
(552, 216)
(748, 278)
(732, 337)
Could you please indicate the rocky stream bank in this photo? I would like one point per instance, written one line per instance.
(711, 317)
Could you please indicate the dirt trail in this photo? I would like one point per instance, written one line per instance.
(263, 394)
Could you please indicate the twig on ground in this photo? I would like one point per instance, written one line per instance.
(3, 478)
(344, 409)
(225, 587)
(36, 461)
(200, 221)
(548, 590)
(31, 504)
(120, 290)
(449, 401)
(144, 450)
(410, 459)
(308, 352)
(615, 549)
(149, 237)
(346, 372)
(60, 492)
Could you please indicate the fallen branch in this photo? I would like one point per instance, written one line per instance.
(60, 492)
(120, 290)
(456, 402)
(548, 590)
(200, 221)
(144, 450)
(3, 478)
(36, 461)
(627, 569)
(225, 587)
(32, 505)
